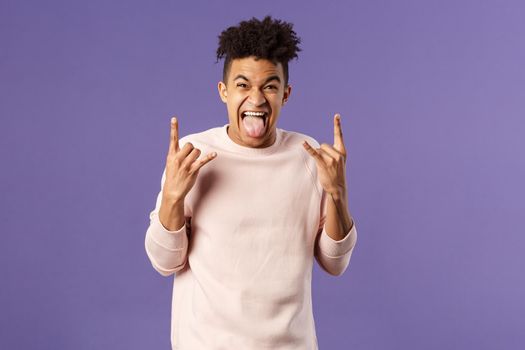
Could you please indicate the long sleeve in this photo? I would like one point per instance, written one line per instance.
(333, 256)
(166, 250)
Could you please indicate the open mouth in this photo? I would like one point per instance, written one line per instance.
(254, 123)
(262, 115)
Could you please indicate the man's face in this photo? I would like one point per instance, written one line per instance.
(254, 86)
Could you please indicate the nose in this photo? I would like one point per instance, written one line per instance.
(256, 97)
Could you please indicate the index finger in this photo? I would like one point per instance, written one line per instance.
(174, 136)
(338, 134)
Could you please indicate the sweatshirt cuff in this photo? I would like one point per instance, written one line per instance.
(333, 248)
(169, 239)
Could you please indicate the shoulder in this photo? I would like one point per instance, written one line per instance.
(200, 139)
(294, 138)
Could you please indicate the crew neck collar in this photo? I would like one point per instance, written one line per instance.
(250, 150)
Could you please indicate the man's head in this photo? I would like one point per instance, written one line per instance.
(255, 77)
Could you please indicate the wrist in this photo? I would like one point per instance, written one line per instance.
(338, 195)
(172, 201)
(171, 214)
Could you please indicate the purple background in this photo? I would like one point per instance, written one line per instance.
(431, 95)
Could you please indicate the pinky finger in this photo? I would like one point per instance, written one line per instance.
(313, 152)
(196, 166)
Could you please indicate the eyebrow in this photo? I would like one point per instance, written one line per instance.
(270, 78)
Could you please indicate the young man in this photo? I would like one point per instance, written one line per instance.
(240, 225)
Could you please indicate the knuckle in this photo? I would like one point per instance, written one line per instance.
(194, 153)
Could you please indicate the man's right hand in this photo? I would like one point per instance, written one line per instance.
(182, 169)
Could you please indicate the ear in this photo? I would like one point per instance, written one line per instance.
(287, 92)
(223, 92)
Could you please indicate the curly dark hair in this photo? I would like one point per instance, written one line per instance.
(270, 39)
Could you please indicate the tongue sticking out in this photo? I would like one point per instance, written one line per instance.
(254, 126)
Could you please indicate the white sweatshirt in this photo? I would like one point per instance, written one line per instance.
(243, 264)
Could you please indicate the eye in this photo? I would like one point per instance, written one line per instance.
(270, 87)
(242, 85)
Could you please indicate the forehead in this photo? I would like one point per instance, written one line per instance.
(255, 69)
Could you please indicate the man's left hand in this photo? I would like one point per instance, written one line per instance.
(331, 162)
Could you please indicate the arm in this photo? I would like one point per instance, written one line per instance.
(336, 238)
(336, 233)
(166, 240)
(338, 221)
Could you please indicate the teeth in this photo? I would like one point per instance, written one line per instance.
(255, 114)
